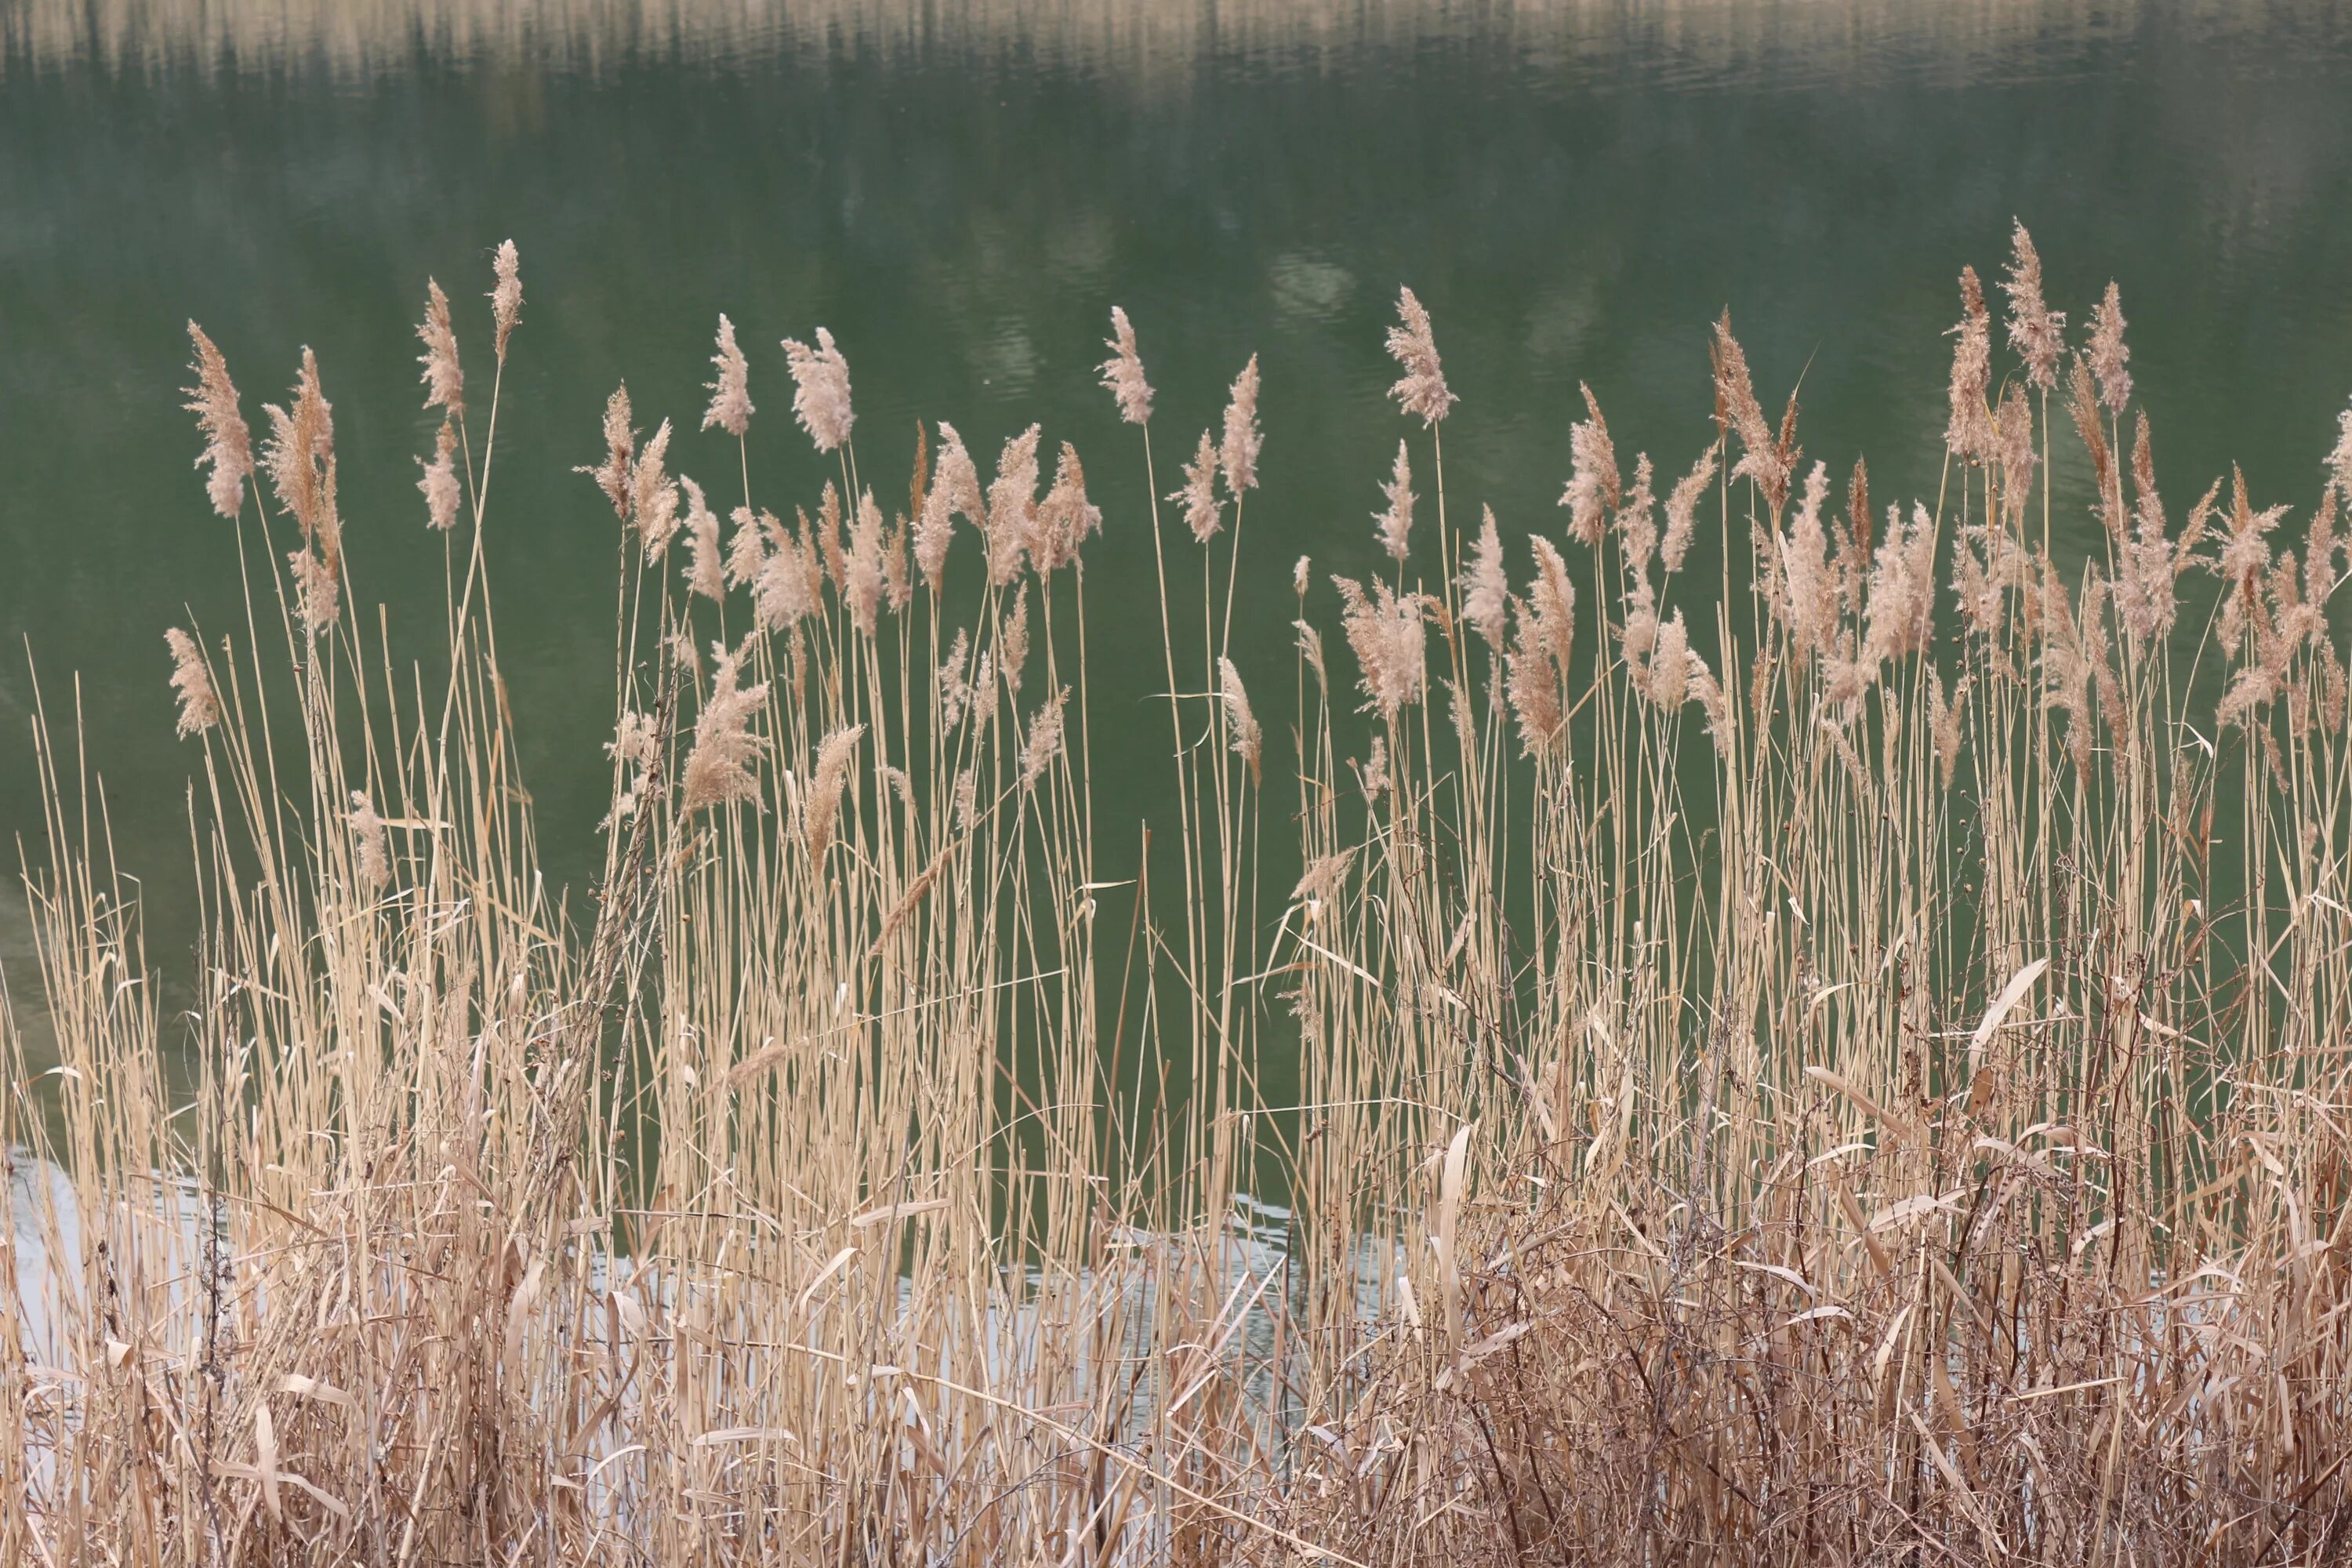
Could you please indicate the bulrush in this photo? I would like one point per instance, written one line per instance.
(505, 294)
(2107, 352)
(1012, 503)
(1237, 454)
(1395, 519)
(1122, 374)
(717, 767)
(1248, 743)
(199, 707)
(444, 383)
(1594, 484)
(2035, 330)
(1045, 741)
(1486, 590)
(706, 569)
(443, 494)
(821, 390)
(1202, 514)
(612, 475)
(1969, 431)
(954, 491)
(228, 445)
(730, 387)
(1682, 510)
(821, 806)
(1422, 389)
(1387, 633)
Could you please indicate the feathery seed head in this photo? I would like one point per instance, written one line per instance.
(1637, 522)
(1238, 453)
(1122, 374)
(1202, 514)
(506, 297)
(199, 706)
(730, 390)
(1486, 592)
(862, 572)
(443, 494)
(444, 384)
(1422, 389)
(300, 456)
(1064, 518)
(954, 490)
(611, 476)
(706, 571)
(1396, 520)
(1595, 485)
(1390, 638)
(2034, 330)
(1011, 506)
(1044, 742)
(1968, 432)
(2108, 355)
(228, 444)
(652, 496)
(821, 390)
(2339, 461)
(718, 768)
(821, 808)
(1248, 743)
(371, 858)
(747, 551)
(1682, 508)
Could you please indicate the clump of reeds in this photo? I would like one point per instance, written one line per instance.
(1840, 1062)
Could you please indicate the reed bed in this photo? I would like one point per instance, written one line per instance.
(1823, 1031)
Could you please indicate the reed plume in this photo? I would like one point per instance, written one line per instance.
(821, 390)
(1486, 590)
(730, 387)
(1247, 740)
(300, 456)
(1387, 634)
(1422, 389)
(1395, 519)
(2339, 461)
(718, 769)
(1122, 374)
(653, 495)
(505, 294)
(1012, 507)
(1682, 508)
(954, 491)
(2109, 355)
(612, 474)
(1066, 519)
(708, 571)
(1203, 513)
(371, 845)
(444, 383)
(1968, 432)
(862, 585)
(1764, 457)
(228, 445)
(1238, 453)
(1045, 741)
(821, 809)
(199, 708)
(443, 494)
(2035, 330)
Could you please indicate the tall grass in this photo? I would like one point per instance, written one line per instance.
(1823, 1038)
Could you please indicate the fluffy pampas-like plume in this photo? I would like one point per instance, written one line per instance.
(300, 456)
(1122, 374)
(199, 707)
(506, 296)
(1065, 520)
(1765, 457)
(1202, 514)
(1044, 742)
(821, 390)
(1968, 432)
(653, 495)
(1248, 743)
(1396, 520)
(717, 767)
(1682, 510)
(2035, 330)
(954, 491)
(1422, 389)
(2108, 353)
(444, 384)
(2339, 461)
(1389, 637)
(1595, 485)
(862, 572)
(821, 814)
(730, 389)
(228, 445)
(705, 571)
(443, 494)
(1486, 592)
(1238, 453)
(611, 476)
(1011, 501)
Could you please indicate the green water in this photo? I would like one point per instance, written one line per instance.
(1575, 192)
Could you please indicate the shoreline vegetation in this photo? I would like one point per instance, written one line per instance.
(1823, 1032)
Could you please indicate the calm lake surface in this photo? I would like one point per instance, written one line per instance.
(1576, 192)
